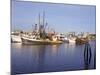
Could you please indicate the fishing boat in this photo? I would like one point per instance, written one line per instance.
(40, 35)
(26, 40)
(81, 40)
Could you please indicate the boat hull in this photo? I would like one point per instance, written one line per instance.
(81, 40)
(72, 41)
(16, 39)
(38, 42)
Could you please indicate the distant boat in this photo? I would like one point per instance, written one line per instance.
(72, 40)
(15, 37)
(65, 40)
(76, 40)
(81, 40)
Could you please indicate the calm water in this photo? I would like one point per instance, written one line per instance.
(48, 58)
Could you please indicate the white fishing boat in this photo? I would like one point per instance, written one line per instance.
(39, 35)
(16, 38)
(26, 40)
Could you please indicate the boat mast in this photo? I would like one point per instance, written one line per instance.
(39, 18)
(43, 17)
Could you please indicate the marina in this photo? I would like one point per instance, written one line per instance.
(51, 55)
(51, 51)
(40, 36)
(54, 39)
(47, 37)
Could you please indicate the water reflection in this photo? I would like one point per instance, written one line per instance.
(41, 57)
(72, 45)
(47, 58)
(17, 45)
(54, 49)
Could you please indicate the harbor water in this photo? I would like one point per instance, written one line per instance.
(49, 58)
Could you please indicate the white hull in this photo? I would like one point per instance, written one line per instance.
(26, 40)
(72, 40)
(16, 38)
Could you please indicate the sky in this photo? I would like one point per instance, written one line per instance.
(61, 17)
